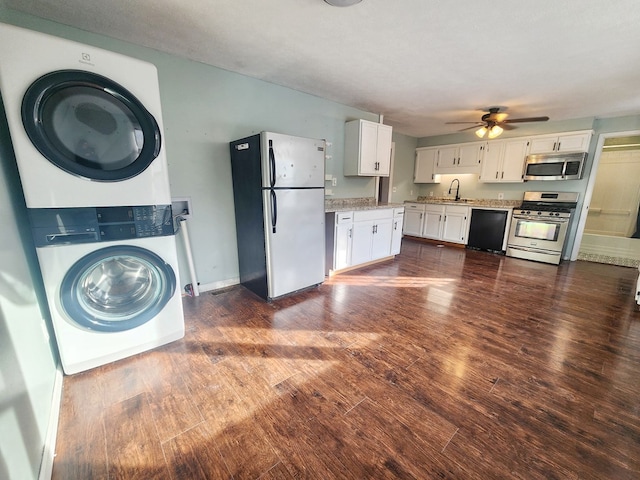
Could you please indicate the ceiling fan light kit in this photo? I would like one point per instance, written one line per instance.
(342, 3)
(495, 122)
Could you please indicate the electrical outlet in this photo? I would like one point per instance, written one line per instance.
(411, 193)
(501, 196)
(334, 182)
(394, 189)
(328, 191)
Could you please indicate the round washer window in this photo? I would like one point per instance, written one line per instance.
(117, 288)
(90, 126)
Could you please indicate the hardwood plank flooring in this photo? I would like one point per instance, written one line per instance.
(443, 363)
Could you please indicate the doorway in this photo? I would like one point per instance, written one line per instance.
(384, 184)
(611, 229)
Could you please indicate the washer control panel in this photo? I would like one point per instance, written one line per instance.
(64, 226)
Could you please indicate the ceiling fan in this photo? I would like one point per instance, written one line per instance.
(495, 122)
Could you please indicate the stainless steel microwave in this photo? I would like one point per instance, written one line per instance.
(556, 166)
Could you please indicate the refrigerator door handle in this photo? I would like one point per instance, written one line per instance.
(272, 165)
(274, 210)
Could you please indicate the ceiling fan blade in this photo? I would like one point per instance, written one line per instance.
(460, 123)
(470, 128)
(530, 119)
(505, 126)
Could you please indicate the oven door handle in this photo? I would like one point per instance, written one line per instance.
(557, 221)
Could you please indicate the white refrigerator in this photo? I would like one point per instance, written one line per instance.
(278, 190)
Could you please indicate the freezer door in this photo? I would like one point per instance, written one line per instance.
(294, 228)
(292, 161)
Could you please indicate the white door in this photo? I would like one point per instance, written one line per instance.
(343, 246)
(361, 245)
(381, 241)
(432, 223)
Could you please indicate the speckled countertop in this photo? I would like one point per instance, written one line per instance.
(369, 203)
(475, 202)
(354, 204)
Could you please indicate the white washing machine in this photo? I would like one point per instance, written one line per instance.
(85, 123)
(86, 129)
(111, 280)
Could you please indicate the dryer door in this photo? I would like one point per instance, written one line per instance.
(90, 126)
(117, 288)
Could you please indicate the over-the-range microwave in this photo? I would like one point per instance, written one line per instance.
(555, 166)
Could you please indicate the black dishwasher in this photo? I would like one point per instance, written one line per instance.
(486, 230)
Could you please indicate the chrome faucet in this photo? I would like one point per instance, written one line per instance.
(457, 189)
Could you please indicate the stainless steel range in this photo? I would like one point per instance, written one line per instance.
(539, 227)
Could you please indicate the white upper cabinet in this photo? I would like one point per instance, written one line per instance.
(460, 158)
(565, 142)
(503, 161)
(424, 170)
(367, 149)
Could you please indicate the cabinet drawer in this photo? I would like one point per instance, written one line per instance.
(398, 212)
(376, 214)
(344, 218)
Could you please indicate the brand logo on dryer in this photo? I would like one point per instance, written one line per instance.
(86, 58)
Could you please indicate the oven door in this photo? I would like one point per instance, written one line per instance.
(538, 233)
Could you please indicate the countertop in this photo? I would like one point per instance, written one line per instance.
(356, 204)
(471, 202)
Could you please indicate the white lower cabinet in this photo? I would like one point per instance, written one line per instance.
(339, 235)
(396, 234)
(371, 235)
(449, 223)
(456, 221)
(362, 236)
(413, 217)
(432, 224)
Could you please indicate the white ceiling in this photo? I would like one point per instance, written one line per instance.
(420, 63)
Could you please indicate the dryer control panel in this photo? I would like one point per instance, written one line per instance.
(64, 226)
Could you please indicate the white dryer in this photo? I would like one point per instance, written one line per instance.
(111, 281)
(85, 123)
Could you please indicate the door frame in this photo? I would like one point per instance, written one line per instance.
(591, 185)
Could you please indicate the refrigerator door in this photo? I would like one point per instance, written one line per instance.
(292, 161)
(294, 228)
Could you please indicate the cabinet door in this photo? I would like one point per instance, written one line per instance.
(413, 215)
(381, 241)
(447, 159)
(368, 148)
(432, 223)
(491, 162)
(361, 242)
(342, 252)
(543, 144)
(573, 143)
(424, 171)
(396, 235)
(470, 157)
(455, 226)
(515, 153)
(383, 150)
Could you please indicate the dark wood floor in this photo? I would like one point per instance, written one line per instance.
(445, 363)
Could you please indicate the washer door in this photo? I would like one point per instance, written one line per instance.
(117, 288)
(90, 126)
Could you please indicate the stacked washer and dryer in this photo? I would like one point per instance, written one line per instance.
(86, 130)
